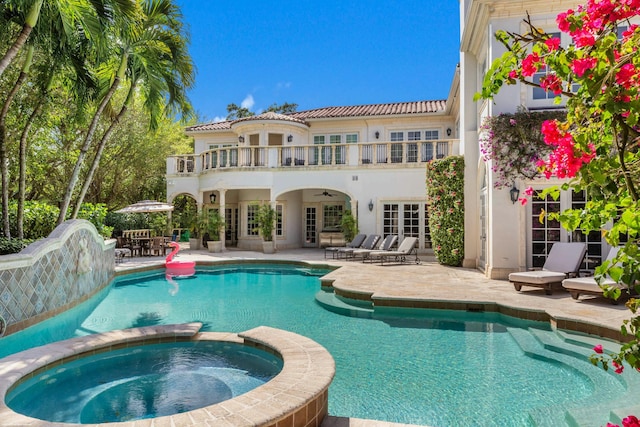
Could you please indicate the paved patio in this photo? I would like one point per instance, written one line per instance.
(430, 284)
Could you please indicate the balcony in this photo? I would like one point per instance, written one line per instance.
(379, 154)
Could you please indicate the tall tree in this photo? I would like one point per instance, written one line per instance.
(159, 63)
(236, 112)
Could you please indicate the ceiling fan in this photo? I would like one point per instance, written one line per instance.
(325, 193)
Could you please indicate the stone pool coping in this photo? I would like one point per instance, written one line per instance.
(297, 396)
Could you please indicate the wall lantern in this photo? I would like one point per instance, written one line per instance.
(241, 139)
(514, 193)
(448, 131)
(377, 135)
(370, 205)
(290, 138)
(212, 198)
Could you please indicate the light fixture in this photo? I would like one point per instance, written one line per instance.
(448, 131)
(212, 197)
(377, 135)
(370, 205)
(290, 138)
(241, 139)
(514, 193)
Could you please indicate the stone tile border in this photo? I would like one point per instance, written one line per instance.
(297, 396)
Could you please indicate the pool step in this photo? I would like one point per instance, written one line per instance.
(331, 302)
(552, 346)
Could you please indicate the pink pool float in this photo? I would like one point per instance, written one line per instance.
(178, 268)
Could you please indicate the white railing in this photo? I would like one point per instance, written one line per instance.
(366, 154)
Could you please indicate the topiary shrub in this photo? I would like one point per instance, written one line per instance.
(445, 201)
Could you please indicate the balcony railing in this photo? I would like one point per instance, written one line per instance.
(369, 154)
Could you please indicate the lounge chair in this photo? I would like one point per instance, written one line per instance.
(355, 243)
(406, 248)
(563, 261)
(369, 243)
(386, 245)
(588, 286)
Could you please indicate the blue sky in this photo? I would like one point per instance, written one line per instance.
(320, 53)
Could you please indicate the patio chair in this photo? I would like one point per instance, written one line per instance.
(157, 246)
(563, 261)
(355, 243)
(407, 247)
(588, 286)
(386, 245)
(369, 243)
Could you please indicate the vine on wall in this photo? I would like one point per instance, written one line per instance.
(514, 144)
(445, 201)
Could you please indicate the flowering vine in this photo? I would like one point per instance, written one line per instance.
(513, 143)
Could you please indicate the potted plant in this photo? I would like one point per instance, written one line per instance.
(348, 226)
(266, 223)
(214, 225)
(197, 226)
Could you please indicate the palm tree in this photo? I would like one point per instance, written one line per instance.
(61, 24)
(159, 64)
(30, 21)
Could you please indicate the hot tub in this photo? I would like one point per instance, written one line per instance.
(258, 377)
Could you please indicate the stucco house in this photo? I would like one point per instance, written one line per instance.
(313, 165)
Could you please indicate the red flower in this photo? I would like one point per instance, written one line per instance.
(619, 368)
(552, 44)
(631, 421)
(580, 66)
(598, 349)
(531, 64)
(552, 83)
(583, 38)
(626, 74)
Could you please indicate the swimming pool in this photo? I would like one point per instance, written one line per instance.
(440, 368)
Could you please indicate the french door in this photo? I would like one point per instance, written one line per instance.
(407, 219)
(310, 222)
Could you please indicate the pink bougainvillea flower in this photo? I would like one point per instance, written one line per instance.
(583, 38)
(619, 368)
(528, 191)
(631, 421)
(552, 83)
(581, 66)
(513, 74)
(612, 425)
(531, 64)
(523, 200)
(598, 349)
(552, 44)
(563, 23)
(626, 75)
(629, 32)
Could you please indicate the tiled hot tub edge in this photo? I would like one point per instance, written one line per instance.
(298, 395)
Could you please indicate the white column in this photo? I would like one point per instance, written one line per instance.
(222, 197)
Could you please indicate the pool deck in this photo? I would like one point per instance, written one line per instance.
(430, 284)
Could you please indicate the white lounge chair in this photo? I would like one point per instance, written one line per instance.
(588, 286)
(563, 261)
(407, 247)
(355, 243)
(386, 245)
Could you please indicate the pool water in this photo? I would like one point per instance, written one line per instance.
(143, 382)
(438, 368)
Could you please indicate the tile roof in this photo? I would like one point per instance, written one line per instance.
(397, 108)
(417, 107)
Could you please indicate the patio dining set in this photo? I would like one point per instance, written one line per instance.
(141, 243)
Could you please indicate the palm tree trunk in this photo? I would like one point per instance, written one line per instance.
(100, 149)
(87, 142)
(22, 182)
(4, 161)
(30, 21)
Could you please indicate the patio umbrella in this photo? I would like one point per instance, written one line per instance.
(146, 206)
